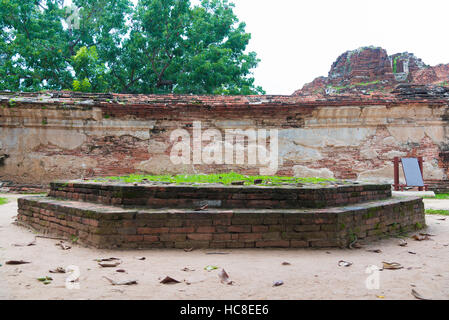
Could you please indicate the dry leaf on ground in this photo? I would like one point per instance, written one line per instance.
(16, 262)
(392, 265)
(58, 270)
(420, 237)
(343, 263)
(418, 296)
(375, 251)
(402, 243)
(109, 264)
(224, 277)
(29, 244)
(169, 280)
(121, 283)
(186, 269)
(107, 259)
(278, 283)
(63, 245)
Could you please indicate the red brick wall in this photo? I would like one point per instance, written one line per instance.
(108, 227)
(117, 134)
(219, 196)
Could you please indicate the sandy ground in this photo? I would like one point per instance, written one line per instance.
(436, 204)
(312, 274)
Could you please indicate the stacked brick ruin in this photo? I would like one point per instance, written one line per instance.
(85, 212)
(223, 196)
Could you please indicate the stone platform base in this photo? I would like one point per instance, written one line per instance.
(105, 226)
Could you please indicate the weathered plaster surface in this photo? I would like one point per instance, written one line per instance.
(52, 140)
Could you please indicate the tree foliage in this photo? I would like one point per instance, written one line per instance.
(155, 46)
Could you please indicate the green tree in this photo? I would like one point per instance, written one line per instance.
(36, 48)
(156, 46)
(32, 46)
(90, 75)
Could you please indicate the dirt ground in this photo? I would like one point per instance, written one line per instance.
(312, 274)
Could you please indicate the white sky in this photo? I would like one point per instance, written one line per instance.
(298, 40)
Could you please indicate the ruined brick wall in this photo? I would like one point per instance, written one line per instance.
(44, 137)
(219, 196)
(111, 227)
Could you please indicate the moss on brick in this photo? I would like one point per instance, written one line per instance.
(419, 226)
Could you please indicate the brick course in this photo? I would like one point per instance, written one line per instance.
(104, 226)
(173, 196)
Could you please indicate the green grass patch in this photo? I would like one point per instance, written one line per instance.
(395, 64)
(225, 178)
(439, 212)
(441, 196)
(3, 201)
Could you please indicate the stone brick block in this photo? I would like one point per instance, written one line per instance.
(152, 230)
(273, 244)
(200, 236)
(250, 236)
(239, 229)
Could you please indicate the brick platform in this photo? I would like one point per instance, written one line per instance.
(219, 196)
(105, 226)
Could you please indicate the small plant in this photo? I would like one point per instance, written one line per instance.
(395, 64)
(418, 226)
(352, 237)
(74, 239)
(439, 212)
